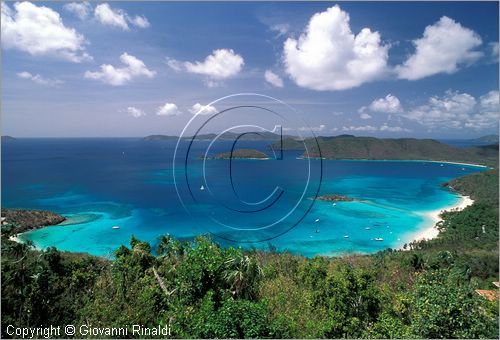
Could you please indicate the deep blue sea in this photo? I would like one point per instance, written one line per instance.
(130, 184)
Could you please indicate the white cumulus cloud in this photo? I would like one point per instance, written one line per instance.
(135, 112)
(116, 17)
(168, 109)
(312, 128)
(140, 21)
(80, 9)
(387, 128)
(328, 56)
(365, 115)
(457, 110)
(117, 76)
(40, 30)
(388, 104)
(39, 79)
(221, 64)
(273, 79)
(369, 128)
(111, 17)
(202, 109)
(444, 47)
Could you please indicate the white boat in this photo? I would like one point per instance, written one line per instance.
(346, 236)
(202, 188)
(115, 227)
(378, 239)
(317, 220)
(367, 228)
(334, 204)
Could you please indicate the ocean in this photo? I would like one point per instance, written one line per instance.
(113, 188)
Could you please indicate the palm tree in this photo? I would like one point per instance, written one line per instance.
(242, 273)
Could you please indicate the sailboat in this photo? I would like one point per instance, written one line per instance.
(202, 187)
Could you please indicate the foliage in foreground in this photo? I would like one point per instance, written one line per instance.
(205, 291)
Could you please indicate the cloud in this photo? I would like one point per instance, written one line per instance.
(273, 79)
(41, 31)
(118, 18)
(111, 17)
(120, 76)
(328, 56)
(387, 128)
(135, 112)
(221, 64)
(487, 113)
(444, 47)
(280, 29)
(388, 104)
(365, 116)
(168, 109)
(371, 128)
(140, 21)
(39, 79)
(313, 128)
(202, 109)
(80, 9)
(360, 128)
(493, 51)
(457, 110)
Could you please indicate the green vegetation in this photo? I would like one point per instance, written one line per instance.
(350, 147)
(22, 220)
(481, 187)
(336, 198)
(241, 154)
(205, 291)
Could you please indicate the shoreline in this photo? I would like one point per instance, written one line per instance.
(434, 217)
(396, 160)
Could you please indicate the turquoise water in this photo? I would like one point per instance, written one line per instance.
(101, 183)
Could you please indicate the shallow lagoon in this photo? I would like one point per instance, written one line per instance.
(101, 183)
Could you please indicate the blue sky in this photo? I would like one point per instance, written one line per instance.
(389, 69)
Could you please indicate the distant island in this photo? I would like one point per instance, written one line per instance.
(370, 148)
(7, 138)
(241, 154)
(488, 139)
(248, 136)
(336, 198)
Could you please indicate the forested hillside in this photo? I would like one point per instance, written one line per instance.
(350, 147)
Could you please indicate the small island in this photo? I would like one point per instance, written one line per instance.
(7, 138)
(241, 154)
(336, 198)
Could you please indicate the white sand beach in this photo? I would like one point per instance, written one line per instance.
(15, 239)
(432, 232)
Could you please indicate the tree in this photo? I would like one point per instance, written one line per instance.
(443, 308)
